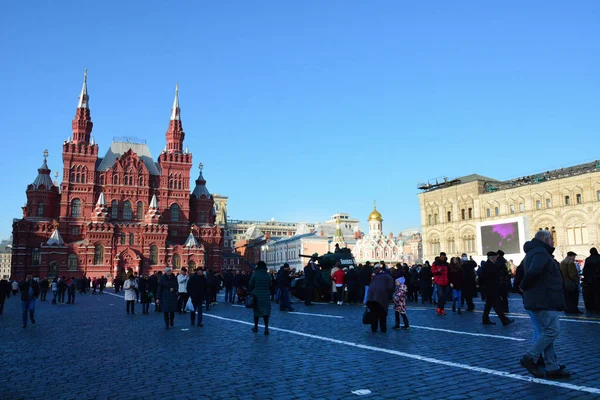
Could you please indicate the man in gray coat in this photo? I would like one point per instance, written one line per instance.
(543, 299)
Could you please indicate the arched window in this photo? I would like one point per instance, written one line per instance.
(123, 238)
(83, 177)
(176, 261)
(576, 234)
(76, 208)
(127, 210)
(102, 179)
(174, 212)
(115, 179)
(191, 266)
(98, 255)
(153, 255)
(72, 262)
(36, 256)
(114, 209)
(141, 181)
(131, 239)
(140, 210)
(130, 180)
(77, 177)
(40, 210)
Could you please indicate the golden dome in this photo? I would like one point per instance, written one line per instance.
(375, 215)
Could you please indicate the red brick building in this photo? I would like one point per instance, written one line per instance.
(117, 212)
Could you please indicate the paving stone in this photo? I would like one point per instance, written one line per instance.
(93, 350)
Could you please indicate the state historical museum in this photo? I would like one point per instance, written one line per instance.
(120, 212)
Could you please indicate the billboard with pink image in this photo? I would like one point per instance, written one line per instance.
(502, 236)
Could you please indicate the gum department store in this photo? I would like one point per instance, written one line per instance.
(118, 212)
(565, 202)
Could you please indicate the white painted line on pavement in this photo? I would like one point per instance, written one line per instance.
(430, 360)
(303, 313)
(315, 315)
(468, 333)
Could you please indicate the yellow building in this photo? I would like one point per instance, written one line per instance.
(565, 202)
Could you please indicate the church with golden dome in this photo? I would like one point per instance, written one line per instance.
(375, 246)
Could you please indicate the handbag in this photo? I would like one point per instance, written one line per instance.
(250, 301)
(367, 317)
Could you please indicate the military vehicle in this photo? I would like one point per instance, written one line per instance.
(325, 262)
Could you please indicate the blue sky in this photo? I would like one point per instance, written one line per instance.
(302, 109)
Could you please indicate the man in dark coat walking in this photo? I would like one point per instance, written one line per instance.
(364, 277)
(167, 296)
(310, 280)
(211, 288)
(353, 285)
(196, 289)
(489, 279)
(504, 281)
(425, 283)
(228, 284)
(378, 298)
(470, 281)
(30, 290)
(591, 281)
(284, 281)
(4, 293)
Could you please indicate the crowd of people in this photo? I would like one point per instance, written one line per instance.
(548, 287)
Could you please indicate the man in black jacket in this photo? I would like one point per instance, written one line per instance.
(470, 281)
(228, 284)
(30, 290)
(211, 288)
(364, 277)
(283, 283)
(591, 281)
(489, 279)
(504, 281)
(44, 286)
(543, 297)
(310, 280)
(196, 289)
(4, 293)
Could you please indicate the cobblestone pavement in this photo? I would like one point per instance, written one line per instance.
(93, 349)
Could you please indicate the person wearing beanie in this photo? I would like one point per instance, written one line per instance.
(400, 301)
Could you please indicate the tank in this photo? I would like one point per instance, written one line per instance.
(326, 262)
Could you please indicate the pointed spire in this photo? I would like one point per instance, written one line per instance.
(82, 123)
(55, 239)
(83, 97)
(101, 200)
(153, 213)
(175, 134)
(175, 109)
(191, 241)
